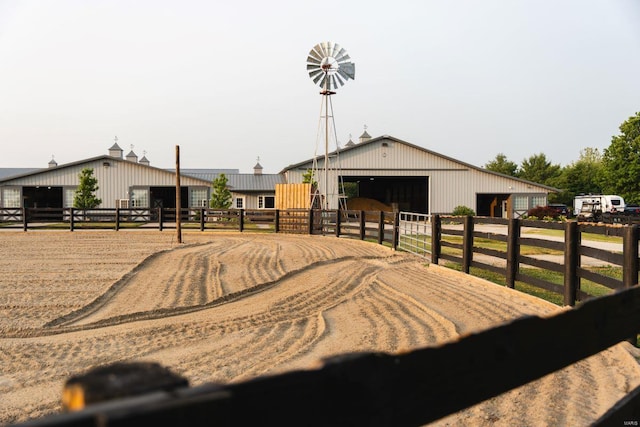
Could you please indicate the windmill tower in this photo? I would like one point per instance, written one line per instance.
(328, 65)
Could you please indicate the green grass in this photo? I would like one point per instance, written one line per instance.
(591, 288)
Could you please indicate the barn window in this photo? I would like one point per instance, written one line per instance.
(266, 202)
(69, 195)
(11, 197)
(139, 197)
(199, 198)
(538, 201)
(521, 203)
(239, 203)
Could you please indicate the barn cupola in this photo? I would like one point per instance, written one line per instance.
(52, 163)
(365, 136)
(132, 157)
(115, 150)
(350, 143)
(257, 169)
(144, 159)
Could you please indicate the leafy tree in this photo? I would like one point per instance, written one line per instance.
(539, 170)
(621, 162)
(501, 165)
(307, 178)
(84, 197)
(220, 194)
(581, 176)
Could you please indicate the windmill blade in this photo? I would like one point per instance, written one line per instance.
(314, 56)
(344, 75)
(340, 56)
(333, 82)
(318, 77)
(326, 48)
(321, 50)
(314, 73)
(312, 60)
(337, 77)
(334, 50)
(313, 67)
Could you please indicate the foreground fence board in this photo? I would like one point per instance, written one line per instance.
(379, 389)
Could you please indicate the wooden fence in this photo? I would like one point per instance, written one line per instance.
(570, 251)
(365, 225)
(424, 385)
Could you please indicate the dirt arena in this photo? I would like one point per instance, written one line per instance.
(70, 301)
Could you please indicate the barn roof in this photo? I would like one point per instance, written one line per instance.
(11, 172)
(306, 164)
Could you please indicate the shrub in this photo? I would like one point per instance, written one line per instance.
(544, 212)
(463, 211)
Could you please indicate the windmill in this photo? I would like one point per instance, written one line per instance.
(328, 65)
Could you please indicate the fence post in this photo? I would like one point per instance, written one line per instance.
(310, 221)
(630, 263)
(202, 219)
(24, 219)
(381, 228)
(630, 253)
(117, 218)
(241, 220)
(71, 219)
(467, 243)
(276, 220)
(513, 251)
(362, 225)
(396, 230)
(160, 210)
(571, 262)
(338, 219)
(436, 231)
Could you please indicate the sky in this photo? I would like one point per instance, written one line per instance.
(227, 81)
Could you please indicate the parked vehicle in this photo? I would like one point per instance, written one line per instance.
(632, 210)
(561, 208)
(591, 207)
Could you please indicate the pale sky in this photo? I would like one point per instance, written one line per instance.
(227, 81)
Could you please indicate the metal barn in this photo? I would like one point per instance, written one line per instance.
(411, 178)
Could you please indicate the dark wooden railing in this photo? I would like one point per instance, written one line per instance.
(446, 233)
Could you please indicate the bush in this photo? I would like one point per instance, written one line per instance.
(463, 211)
(544, 212)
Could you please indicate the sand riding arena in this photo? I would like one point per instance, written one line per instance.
(228, 306)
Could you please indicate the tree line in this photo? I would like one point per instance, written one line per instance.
(614, 171)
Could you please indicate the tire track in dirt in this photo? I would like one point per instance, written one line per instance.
(409, 324)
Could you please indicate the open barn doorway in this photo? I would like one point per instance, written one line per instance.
(402, 193)
(165, 197)
(42, 197)
(493, 205)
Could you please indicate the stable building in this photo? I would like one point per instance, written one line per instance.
(410, 178)
(397, 174)
(131, 183)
